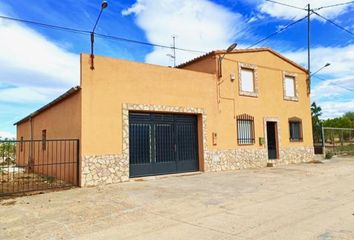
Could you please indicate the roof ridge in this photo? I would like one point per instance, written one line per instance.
(215, 52)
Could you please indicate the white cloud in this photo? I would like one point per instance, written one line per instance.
(28, 95)
(331, 91)
(4, 134)
(33, 65)
(199, 24)
(283, 12)
(333, 109)
(341, 59)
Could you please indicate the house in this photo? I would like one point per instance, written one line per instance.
(221, 111)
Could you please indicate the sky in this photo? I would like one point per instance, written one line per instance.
(38, 64)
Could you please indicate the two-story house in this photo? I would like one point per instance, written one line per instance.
(221, 111)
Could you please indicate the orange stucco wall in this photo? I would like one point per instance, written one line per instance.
(270, 101)
(116, 82)
(61, 121)
(207, 65)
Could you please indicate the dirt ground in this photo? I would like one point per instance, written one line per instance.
(306, 201)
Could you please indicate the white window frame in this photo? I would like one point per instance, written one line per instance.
(253, 68)
(296, 93)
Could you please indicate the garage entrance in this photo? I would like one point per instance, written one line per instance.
(162, 144)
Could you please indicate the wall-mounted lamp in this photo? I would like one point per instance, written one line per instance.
(104, 5)
(229, 49)
(312, 74)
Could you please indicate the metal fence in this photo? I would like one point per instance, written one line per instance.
(338, 141)
(37, 165)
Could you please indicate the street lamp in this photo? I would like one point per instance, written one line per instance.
(104, 5)
(311, 74)
(228, 50)
(326, 65)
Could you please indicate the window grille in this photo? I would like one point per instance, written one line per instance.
(295, 129)
(245, 129)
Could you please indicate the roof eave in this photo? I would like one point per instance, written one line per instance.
(62, 97)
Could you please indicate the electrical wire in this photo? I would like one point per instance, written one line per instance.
(284, 4)
(55, 27)
(334, 5)
(335, 24)
(277, 32)
(334, 84)
(85, 32)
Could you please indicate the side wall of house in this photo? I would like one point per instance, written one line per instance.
(206, 65)
(61, 121)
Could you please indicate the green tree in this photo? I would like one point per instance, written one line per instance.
(7, 151)
(316, 112)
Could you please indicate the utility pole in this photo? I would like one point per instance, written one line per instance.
(309, 46)
(173, 55)
(174, 51)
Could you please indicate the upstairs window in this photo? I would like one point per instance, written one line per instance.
(290, 87)
(295, 128)
(248, 83)
(245, 130)
(247, 80)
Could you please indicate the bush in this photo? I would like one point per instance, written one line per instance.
(329, 155)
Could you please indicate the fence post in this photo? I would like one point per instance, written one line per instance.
(323, 142)
(78, 163)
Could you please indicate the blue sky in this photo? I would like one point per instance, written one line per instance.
(38, 64)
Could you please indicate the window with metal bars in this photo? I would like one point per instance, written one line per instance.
(245, 129)
(295, 128)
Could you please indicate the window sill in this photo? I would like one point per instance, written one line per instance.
(294, 99)
(296, 141)
(248, 94)
(245, 144)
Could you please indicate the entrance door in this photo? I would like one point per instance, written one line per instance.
(272, 140)
(162, 143)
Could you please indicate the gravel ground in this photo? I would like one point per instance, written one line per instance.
(306, 201)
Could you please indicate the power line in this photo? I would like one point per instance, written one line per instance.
(334, 5)
(277, 32)
(284, 4)
(145, 43)
(334, 84)
(85, 32)
(55, 27)
(335, 24)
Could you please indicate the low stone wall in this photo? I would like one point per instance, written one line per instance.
(104, 169)
(107, 169)
(233, 159)
(295, 155)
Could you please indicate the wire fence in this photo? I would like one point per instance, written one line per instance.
(37, 165)
(338, 141)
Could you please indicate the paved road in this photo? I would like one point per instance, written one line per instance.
(307, 201)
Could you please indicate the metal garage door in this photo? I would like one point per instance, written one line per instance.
(162, 143)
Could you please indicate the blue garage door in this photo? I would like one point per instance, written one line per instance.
(162, 144)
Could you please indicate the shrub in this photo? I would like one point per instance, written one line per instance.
(329, 155)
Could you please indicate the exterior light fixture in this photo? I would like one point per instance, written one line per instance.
(326, 65)
(104, 5)
(311, 74)
(228, 50)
